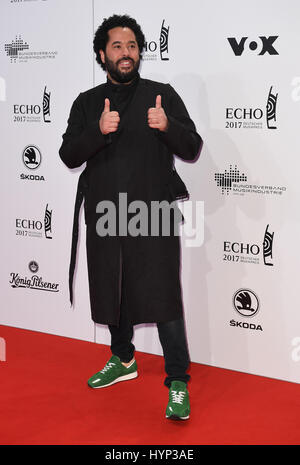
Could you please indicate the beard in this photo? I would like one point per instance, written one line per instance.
(121, 76)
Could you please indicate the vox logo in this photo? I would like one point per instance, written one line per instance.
(261, 45)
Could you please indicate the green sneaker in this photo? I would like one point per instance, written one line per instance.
(178, 407)
(113, 372)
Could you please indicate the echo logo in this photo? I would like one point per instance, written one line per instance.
(238, 46)
(296, 351)
(2, 350)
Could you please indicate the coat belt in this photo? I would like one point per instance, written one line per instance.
(79, 199)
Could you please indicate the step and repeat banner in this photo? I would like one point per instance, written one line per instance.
(235, 66)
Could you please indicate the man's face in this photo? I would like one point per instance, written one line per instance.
(121, 57)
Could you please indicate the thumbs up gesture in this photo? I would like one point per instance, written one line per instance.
(157, 118)
(109, 120)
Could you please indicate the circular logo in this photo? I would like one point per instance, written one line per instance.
(246, 302)
(33, 266)
(32, 157)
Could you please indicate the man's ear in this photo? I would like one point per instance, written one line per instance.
(102, 56)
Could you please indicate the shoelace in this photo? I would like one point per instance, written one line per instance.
(177, 396)
(107, 367)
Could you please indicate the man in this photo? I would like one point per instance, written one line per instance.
(127, 131)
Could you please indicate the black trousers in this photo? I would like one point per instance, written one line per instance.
(172, 338)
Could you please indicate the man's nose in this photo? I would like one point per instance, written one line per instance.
(125, 51)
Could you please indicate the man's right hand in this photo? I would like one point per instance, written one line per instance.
(109, 120)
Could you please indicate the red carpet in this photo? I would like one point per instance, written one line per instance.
(44, 399)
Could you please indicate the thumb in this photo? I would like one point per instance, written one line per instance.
(106, 105)
(158, 101)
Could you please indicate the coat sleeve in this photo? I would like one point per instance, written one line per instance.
(80, 142)
(181, 136)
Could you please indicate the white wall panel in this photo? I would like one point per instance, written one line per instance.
(58, 57)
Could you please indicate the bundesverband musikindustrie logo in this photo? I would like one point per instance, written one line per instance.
(233, 181)
(19, 51)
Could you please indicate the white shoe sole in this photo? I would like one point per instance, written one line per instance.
(117, 380)
(176, 417)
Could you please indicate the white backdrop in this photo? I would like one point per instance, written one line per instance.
(244, 96)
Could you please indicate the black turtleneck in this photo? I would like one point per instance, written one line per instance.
(120, 95)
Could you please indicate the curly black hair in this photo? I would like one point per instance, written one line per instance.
(101, 35)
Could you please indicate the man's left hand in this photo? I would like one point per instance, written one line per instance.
(157, 118)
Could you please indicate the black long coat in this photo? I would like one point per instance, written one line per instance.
(138, 274)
